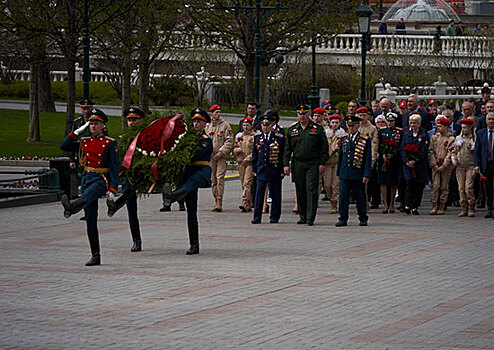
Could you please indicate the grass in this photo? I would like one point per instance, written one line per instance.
(15, 123)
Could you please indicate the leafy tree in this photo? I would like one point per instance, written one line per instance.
(224, 24)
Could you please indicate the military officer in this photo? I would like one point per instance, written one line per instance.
(222, 136)
(198, 175)
(99, 156)
(306, 147)
(132, 115)
(354, 170)
(267, 165)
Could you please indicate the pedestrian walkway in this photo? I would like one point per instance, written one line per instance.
(403, 282)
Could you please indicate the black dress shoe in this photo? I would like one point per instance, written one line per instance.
(181, 207)
(415, 211)
(310, 222)
(165, 208)
(488, 215)
(273, 221)
(137, 247)
(340, 223)
(95, 260)
(362, 223)
(194, 249)
(301, 222)
(83, 218)
(407, 210)
(256, 221)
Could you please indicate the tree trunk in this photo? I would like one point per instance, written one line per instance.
(126, 78)
(69, 116)
(34, 135)
(144, 86)
(46, 102)
(249, 81)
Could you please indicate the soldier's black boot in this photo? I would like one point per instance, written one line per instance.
(136, 237)
(72, 207)
(193, 239)
(181, 205)
(95, 254)
(194, 248)
(115, 205)
(170, 196)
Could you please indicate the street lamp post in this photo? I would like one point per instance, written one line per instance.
(364, 12)
(258, 52)
(314, 96)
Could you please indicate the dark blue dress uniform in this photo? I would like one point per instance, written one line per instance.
(197, 175)
(417, 177)
(391, 174)
(267, 164)
(99, 157)
(129, 195)
(354, 163)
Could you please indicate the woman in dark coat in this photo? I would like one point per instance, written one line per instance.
(389, 159)
(414, 155)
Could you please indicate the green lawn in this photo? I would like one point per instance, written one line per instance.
(14, 124)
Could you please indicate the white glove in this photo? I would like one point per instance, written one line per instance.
(81, 129)
(110, 195)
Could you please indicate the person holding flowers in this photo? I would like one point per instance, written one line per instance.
(414, 155)
(331, 180)
(462, 159)
(388, 161)
(440, 161)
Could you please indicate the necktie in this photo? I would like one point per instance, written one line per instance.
(489, 149)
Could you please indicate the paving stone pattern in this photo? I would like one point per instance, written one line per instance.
(403, 282)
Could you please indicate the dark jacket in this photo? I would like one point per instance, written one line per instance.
(419, 173)
(267, 156)
(355, 158)
(481, 149)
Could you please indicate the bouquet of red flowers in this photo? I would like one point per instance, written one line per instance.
(389, 149)
(413, 153)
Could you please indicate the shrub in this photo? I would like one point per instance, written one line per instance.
(166, 91)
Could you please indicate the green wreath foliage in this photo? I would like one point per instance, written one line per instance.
(170, 166)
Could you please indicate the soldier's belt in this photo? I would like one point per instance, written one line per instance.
(201, 162)
(96, 170)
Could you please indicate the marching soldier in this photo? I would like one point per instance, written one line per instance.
(267, 165)
(307, 147)
(354, 170)
(222, 136)
(99, 156)
(133, 116)
(244, 144)
(198, 175)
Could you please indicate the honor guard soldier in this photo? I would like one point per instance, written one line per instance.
(197, 175)
(307, 148)
(222, 136)
(132, 115)
(99, 156)
(267, 165)
(354, 170)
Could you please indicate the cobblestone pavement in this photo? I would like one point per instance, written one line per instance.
(403, 282)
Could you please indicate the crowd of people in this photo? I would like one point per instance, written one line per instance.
(371, 157)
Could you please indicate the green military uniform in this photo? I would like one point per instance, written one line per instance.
(306, 148)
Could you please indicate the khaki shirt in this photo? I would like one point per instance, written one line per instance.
(439, 149)
(245, 145)
(221, 134)
(334, 145)
(371, 131)
(463, 154)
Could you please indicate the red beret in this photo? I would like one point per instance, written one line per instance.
(247, 120)
(467, 121)
(214, 107)
(431, 101)
(335, 116)
(443, 121)
(363, 110)
(318, 110)
(403, 104)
